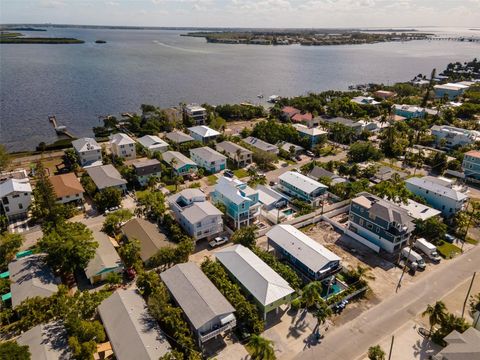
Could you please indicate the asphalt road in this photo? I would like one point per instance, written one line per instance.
(353, 339)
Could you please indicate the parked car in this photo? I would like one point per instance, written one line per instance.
(271, 183)
(450, 238)
(309, 153)
(298, 158)
(413, 257)
(219, 240)
(228, 173)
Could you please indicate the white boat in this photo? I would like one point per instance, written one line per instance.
(260, 96)
(274, 98)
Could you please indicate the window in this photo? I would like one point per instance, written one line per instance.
(370, 226)
(7, 209)
(15, 196)
(378, 230)
(20, 206)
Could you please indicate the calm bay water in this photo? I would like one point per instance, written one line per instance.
(78, 83)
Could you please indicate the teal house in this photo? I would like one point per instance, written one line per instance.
(181, 164)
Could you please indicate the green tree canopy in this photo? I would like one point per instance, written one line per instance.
(376, 353)
(4, 158)
(261, 348)
(245, 236)
(9, 246)
(112, 222)
(363, 151)
(107, 198)
(10, 350)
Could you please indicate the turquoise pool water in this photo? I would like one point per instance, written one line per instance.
(288, 211)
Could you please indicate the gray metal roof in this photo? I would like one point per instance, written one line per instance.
(203, 131)
(207, 153)
(343, 121)
(318, 172)
(121, 139)
(105, 176)
(268, 196)
(260, 144)
(231, 148)
(436, 187)
(31, 277)
(152, 142)
(85, 144)
(195, 293)
(312, 254)
(132, 331)
(301, 181)
(464, 346)
(47, 342)
(178, 137)
(181, 160)
(106, 257)
(199, 210)
(257, 277)
(151, 240)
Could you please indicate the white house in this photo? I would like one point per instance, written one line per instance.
(15, 198)
(453, 136)
(123, 146)
(301, 187)
(197, 216)
(209, 159)
(153, 143)
(107, 176)
(67, 188)
(236, 153)
(451, 90)
(365, 100)
(196, 113)
(441, 194)
(88, 151)
(471, 165)
(203, 133)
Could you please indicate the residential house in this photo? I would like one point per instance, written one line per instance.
(67, 188)
(46, 342)
(181, 164)
(450, 90)
(384, 94)
(385, 173)
(268, 289)
(203, 133)
(302, 187)
(461, 346)
(303, 253)
(146, 169)
(286, 146)
(288, 112)
(270, 199)
(131, 329)
(123, 146)
(313, 135)
(106, 176)
(354, 125)
(15, 198)
(240, 200)
(198, 217)
(88, 151)
(260, 145)
(106, 260)
(209, 159)
(471, 165)
(153, 143)
(380, 222)
(439, 193)
(410, 111)
(178, 137)
(318, 172)
(197, 114)
(365, 100)
(419, 211)
(207, 311)
(449, 136)
(151, 240)
(302, 118)
(241, 156)
(18, 174)
(31, 277)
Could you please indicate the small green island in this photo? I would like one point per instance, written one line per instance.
(7, 37)
(307, 37)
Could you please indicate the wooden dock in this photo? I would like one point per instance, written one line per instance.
(60, 130)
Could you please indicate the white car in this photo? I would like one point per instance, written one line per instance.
(220, 240)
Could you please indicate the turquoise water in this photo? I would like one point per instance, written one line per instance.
(288, 211)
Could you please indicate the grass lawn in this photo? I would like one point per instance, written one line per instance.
(448, 250)
(240, 173)
(171, 188)
(212, 180)
(471, 240)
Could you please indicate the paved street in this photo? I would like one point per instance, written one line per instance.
(353, 339)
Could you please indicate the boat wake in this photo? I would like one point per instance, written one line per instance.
(180, 48)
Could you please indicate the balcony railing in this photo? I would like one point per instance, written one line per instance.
(212, 334)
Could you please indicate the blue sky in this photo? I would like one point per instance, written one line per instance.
(245, 13)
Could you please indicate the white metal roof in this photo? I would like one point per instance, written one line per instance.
(312, 254)
(199, 210)
(121, 139)
(203, 131)
(181, 160)
(207, 153)
(437, 188)
(85, 144)
(11, 186)
(106, 257)
(301, 181)
(152, 142)
(309, 131)
(256, 276)
(230, 188)
(419, 211)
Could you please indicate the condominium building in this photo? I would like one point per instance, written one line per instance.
(449, 136)
(301, 187)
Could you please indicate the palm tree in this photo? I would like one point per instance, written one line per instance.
(262, 349)
(376, 353)
(436, 314)
(322, 313)
(311, 293)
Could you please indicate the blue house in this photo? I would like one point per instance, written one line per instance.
(471, 165)
(312, 134)
(410, 111)
(181, 164)
(380, 222)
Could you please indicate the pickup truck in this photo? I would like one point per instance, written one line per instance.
(220, 240)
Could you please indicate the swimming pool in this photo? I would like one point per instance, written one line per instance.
(288, 211)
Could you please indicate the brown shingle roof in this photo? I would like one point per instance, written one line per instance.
(66, 184)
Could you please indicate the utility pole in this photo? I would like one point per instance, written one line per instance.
(404, 266)
(391, 348)
(468, 293)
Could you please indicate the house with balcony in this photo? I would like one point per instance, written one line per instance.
(313, 135)
(288, 147)
(302, 187)
(238, 154)
(440, 193)
(107, 176)
(365, 100)
(354, 125)
(240, 200)
(206, 310)
(305, 254)
(178, 137)
(88, 151)
(15, 198)
(260, 145)
(449, 136)
(268, 289)
(450, 90)
(153, 143)
(197, 114)
(182, 165)
(209, 159)
(380, 222)
(67, 188)
(471, 165)
(123, 146)
(145, 169)
(203, 133)
(196, 215)
(410, 111)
